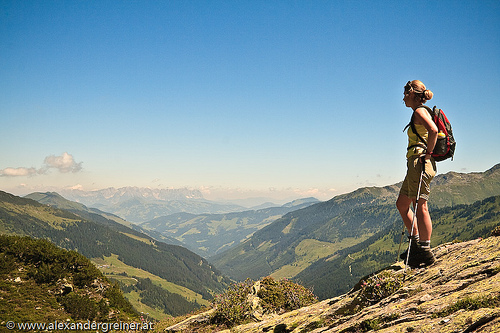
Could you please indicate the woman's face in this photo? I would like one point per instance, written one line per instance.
(408, 93)
(407, 98)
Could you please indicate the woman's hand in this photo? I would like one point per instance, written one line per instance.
(425, 157)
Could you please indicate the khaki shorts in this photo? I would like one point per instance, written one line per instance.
(410, 184)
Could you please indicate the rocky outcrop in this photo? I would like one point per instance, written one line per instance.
(459, 293)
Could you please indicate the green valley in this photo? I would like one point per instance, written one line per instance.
(186, 274)
(210, 234)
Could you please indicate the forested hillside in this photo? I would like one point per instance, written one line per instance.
(95, 215)
(40, 282)
(175, 264)
(336, 274)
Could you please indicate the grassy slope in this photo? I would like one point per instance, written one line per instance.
(113, 269)
(32, 274)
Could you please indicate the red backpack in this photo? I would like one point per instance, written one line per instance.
(445, 143)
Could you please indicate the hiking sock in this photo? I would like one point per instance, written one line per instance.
(425, 244)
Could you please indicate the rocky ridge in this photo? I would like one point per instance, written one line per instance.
(459, 293)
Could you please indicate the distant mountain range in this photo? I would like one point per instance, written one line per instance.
(330, 245)
(138, 204)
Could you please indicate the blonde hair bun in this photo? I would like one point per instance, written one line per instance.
(428, 94)
(420, 91)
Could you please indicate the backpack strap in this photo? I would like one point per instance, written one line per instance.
(412, 125)
(432, 112)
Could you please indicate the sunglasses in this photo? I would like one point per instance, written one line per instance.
(408, 88)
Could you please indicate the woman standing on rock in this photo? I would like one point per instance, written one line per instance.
(418, 157)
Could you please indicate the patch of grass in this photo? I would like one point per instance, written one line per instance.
(313, 325)
(142, 239)
(373, 324)
(370, 325)
(378, 287)
(134, 298)
(470, 303)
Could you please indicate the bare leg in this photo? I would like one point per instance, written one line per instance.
(424, 220)
(403, 204)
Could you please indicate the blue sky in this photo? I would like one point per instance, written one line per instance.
(238, 98)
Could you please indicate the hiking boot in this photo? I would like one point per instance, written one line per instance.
(413, 247)
(421, 257)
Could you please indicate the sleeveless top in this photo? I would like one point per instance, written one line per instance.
(414, 140)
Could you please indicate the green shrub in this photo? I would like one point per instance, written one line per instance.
(118, 301)
(378, 287)
(81, 307)
(46, 273)
(284, 295)
(370, 325)
(7, 263)
(233, 307)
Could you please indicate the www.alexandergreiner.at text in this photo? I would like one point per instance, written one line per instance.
(81, 326)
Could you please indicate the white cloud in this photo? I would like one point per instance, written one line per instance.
(64, 163)
(17, 172)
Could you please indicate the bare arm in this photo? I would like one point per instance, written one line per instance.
(422, 117)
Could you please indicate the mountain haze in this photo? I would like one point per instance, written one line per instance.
(139, 204)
